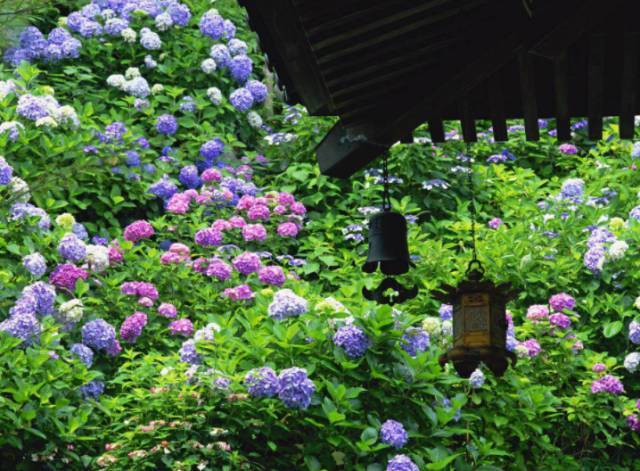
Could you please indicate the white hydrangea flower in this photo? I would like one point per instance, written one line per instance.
(117, 81)
(208, 66)
(20, 188)
(6, 87)
(132, 72)
(432, 325)
(107, 13)
(62, 21)
(46, 122)
(97, 258)
(157, 88)
(72, 310)
(66, 115)
(255, 120)
(129, 35)
(632, 361)
(215, 95)
(617, 249)
(164, 21)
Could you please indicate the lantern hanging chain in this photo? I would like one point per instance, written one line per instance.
(386, 200)
(473, 204)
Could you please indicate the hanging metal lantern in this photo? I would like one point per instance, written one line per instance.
(388, 250)
(479, 323)
(388, 247)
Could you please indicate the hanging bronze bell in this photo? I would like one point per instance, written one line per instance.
(388, 247)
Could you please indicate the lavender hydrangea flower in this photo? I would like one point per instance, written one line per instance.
(138, 230)
(393, 433)
(219, 269)
(287, 304)
(238, 47)
(295, 389)
(634, 332)
(188, 353)
(163, 188)
(560, 320)
(84, 353)
(572, 189)
(401, 463)
(247, 263)
(262, 382)
(22, 211)
(25, 327)
(353, 340)
(446, 312)
(189, 176)
(6, 172)
(72, 248)
(44, 295)
(98, 334)
(180, 14)
(635, 213)
(414, 341)
(212, 149)
(182, 327)
(594, 259)
(220, 54)
(167, 124)
(150, 40)
(35, 264)
(272, 275)
(208, 237)
(568, 149)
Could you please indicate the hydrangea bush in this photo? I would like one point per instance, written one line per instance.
(181, 288)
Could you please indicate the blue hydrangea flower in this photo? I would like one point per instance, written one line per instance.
(163, 188)
(188, 353)
(476, 380)
(414, 341)
(240, 68)
(44, 295)
(221, 55)
(241, 99)
(262, 382)
(572, 190)
(446, 312)
(212, 25)
(238, 47)
(92, 390)
(180, 14)
(295, 389)
(258, 90)
(212, 149)
(84, 353)
(98, 334)
(401, 463)
(189, 176)
(72, 248)
(352, 340)
(166, 124)
(634, 332)
(393, 433)
(132, 158)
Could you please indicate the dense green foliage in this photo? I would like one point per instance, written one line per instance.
(160, 411)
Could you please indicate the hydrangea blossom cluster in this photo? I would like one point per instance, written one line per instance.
(72, 248)
(132, 327)
(138, 230)
(239, 293)
(83, 353)
(603, 246)
(33, 46)
(92, 390)
(262, 382)
(183, 327)
(393, 433)
(353, 340)
(295, 389)
(287, 304)
(272, 275)
(67, 275)
(607, 384)
(415, 341)
(401, 463)
(477, 379)
(634, 332)
(35, 264)
(98, 334)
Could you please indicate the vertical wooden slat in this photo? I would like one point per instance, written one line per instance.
(436, 128)
(561, 80)
(496, 99)
(528, 90)
(595, 77)
(467, 121)
(628, 92)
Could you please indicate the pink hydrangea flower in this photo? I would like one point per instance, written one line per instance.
(116, 254)
(561, 301)
(537, 313)
(66, 276)
(568, 149)
(178, 204)
(245, 202)
(299, 209)
(239, 293)
(258, 212)
(168, 258)
(599, 368)
(219, 269)
(286, 199)
(495, 223)
(146, 302)
(280, 209)
(140, 289)
(237, 222)
(560, 320)
(180, 249)
(288, 229)
(211, 175)
(138, 230)
(221, 225)
(254, 232)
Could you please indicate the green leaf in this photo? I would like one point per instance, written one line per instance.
(612, 328)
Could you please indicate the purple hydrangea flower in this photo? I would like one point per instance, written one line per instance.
(132, 327)
(572, 189)
(561, 301)
(272, 275)
(594, 258)
(25, 327)
(180, 13)
(138, 230)
(295, 388)
(66, 276)
(163, 188)
(182, 327)
(352, 339)
(607, 384)
(286, 229)
(599, 368)
(212, 149)
(634, 332)
(247, 263)
(44, 295)
(495, 223)
(208, 237)
(167, 310)
(287, 304)
(401, 463)
(220, 54)
(568, 149)
(98, 334)
(393, 433)
(414, 341)
(219, 269)
(560, 320)
(84, 353)
(21, 211)
(166, 124)
(262, 382)
(6, 172)
(189, 176)
(240, 68)
(635, 213)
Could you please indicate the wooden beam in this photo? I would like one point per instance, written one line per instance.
(467, 121)
(584, 17)
(436, 129)
(595, 85)
(561, 82)
(629, 86)
(528, 91)
(496, 101)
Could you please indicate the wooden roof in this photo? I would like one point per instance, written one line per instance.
(387, 66)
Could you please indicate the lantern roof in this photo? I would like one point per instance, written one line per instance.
(385, 67)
